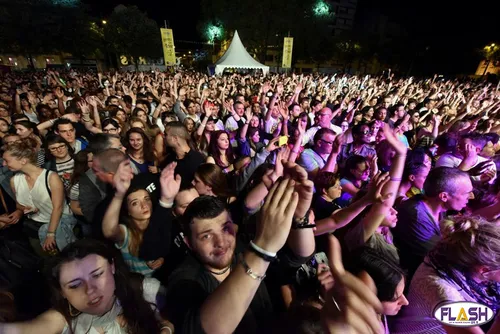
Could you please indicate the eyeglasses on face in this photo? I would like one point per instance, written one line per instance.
(109, 130)
(327, 142)
(57, 148)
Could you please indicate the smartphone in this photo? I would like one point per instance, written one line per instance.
(283, 140)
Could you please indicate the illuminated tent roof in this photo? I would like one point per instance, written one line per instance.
(236, 56)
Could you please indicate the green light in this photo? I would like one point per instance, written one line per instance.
(321, 9)
(213, 32)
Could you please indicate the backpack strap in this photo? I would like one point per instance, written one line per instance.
(47, 172)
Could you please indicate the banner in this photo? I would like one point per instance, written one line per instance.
(167, 40)
(287, 52)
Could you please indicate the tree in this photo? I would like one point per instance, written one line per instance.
(263, 26)
(29, 26)
(32, 27)
(491, 53)
(131, 33)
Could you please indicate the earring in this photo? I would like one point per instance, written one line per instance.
(71, 311)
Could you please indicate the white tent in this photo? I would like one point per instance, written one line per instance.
(236, 56)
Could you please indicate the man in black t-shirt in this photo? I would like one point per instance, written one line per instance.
(218, 288)
(188, 160)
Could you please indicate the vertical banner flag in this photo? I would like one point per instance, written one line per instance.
(167, 40)
(287, 52)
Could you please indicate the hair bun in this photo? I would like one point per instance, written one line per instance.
(451, 227)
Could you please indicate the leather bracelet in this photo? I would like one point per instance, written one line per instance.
(303, 222)
(262, 253)
(249, 270)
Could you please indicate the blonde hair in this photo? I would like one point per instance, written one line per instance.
(468, 242)
(23, 149)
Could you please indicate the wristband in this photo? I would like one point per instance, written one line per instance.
(166, 327)
(166, 205)
(262, 253)
(396, 179)
(249, 271)
(51, 234)
(299, 223)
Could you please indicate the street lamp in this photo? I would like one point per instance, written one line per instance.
(104, 22)
(213, 32)
(321, 8)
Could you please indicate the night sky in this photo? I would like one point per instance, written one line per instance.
(452, 29)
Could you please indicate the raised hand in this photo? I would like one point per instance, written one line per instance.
(337, 143)
(273, 144)
(374, 194)
(276, 216)
(395, 143)
(266, 87)
(352, 304)
(170, 184)
(280, 89)
(59, 93)
(372, 161)
(303, 186)
(123, 178)
(248, 114)
(299, 88)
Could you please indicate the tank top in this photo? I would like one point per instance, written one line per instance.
(38, 197)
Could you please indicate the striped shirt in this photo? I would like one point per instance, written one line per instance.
(65, 170)
(134, 263)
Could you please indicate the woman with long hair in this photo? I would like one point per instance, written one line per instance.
(94, 292)
(128, 216)
(463, 266)
(210, 180)
(204, 132)
(25, 129)
(190, 125)
(40, 196)
(60, 158)
(140, 151)
(387, 275)
(221, 152)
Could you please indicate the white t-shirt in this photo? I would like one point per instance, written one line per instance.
(450, 160)
(309, 135)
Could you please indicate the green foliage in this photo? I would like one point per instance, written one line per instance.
(39, 26)
(261, 26)
(130, 32)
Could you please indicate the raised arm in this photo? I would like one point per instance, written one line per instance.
(51, 321)
(121, 182)
(223, 310)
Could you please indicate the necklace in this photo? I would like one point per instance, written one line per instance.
(218, 273)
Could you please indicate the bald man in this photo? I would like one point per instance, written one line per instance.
(323, 120)
(105, 165)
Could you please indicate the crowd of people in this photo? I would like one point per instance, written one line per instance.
(180, 202)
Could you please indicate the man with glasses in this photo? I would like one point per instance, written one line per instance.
(323, 121)
(360, 146)
(320, 157)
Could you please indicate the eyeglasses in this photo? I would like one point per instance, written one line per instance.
(57, 148)
(109, 130)
(366, 132)
(327, 142)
